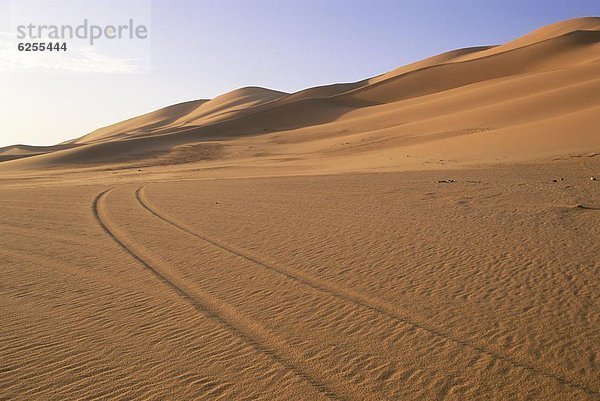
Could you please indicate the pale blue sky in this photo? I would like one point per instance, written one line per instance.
(200, 49)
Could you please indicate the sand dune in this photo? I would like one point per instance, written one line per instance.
(568, 50)
(429, 233)
(429, 62)
(229, 103)
(415, 100)
(589, 24)
(139, 126)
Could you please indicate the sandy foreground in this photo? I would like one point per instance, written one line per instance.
(430, 233)
(349, 286)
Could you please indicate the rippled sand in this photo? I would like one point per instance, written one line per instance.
(359, 286)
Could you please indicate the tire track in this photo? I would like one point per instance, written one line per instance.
(251, 332)
(376, 305)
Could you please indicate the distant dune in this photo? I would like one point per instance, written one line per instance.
(534, 97)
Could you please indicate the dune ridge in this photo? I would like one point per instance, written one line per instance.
(263, 119)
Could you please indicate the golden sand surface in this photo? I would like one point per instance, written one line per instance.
(428, 234)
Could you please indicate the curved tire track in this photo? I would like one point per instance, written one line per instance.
(249, 331)
(376, 305)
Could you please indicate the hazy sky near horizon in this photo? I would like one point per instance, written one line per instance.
(200, 49)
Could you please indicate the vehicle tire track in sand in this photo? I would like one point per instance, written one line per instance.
(348, 295)
(251, 332)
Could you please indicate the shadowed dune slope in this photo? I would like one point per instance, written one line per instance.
(281, 117)
(21, 151)
(542, 34)
(230, 102)
(428, 62)
(565, 51)
(142, 124)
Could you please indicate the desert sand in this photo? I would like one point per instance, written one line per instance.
(430, 233)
